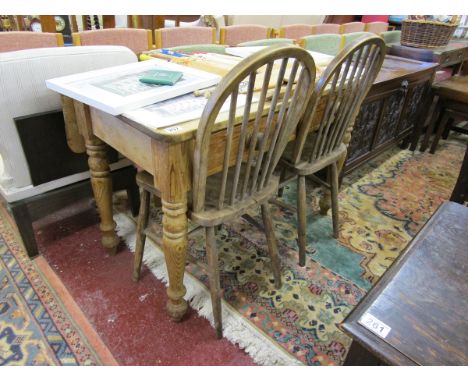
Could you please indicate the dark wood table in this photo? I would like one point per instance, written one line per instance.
(452, 55)
(420, 306)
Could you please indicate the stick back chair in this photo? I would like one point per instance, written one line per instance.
(319, 142)
(256, 134)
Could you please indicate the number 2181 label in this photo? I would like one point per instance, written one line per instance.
(374, 325)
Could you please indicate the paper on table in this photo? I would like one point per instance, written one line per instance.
(173, 111)
(117, 89)
(321, 59)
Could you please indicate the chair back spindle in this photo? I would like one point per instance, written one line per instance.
(278, 79)
(343, 86)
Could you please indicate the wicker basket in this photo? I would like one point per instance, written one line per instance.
(426, 34)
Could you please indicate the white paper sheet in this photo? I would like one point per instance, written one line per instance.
(174, 111)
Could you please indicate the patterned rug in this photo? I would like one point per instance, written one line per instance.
(35, 326)
(382, 206)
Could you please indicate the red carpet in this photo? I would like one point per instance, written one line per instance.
(129, 317)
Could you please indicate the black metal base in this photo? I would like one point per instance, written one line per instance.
(26, 211)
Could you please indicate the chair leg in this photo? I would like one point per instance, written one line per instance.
(140, 233)
(302, 218)
(213, 274)
(272, 245)
(440, 130)
(432, 123)
(447, 129)
(333, 175)
(282, 177)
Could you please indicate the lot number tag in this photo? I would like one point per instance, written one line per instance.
(374, 325)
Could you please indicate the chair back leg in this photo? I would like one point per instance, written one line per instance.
(213, 274)
(272, 245)
(333, 176)
(301, 218)
(140, 233)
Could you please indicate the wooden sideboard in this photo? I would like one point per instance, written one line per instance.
(391, 110)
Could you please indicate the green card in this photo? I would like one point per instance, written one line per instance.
(161, 77)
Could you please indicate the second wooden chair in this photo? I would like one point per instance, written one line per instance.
(319, 141)
(254, 136)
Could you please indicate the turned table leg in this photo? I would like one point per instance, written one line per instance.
(101, 180)
(172, 177)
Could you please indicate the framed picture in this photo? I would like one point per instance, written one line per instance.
(118, 89)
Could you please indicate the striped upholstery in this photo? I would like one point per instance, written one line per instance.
(136, 40)
(351, 38)
(325, 28)
(267, 42)
(352, 27)
(323, 43)
(11, 41)
(295, 31)
(234, 35)
(170, 37)
(376, 27)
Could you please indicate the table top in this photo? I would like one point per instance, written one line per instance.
(420, 306)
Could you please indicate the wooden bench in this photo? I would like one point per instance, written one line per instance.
(417, 313)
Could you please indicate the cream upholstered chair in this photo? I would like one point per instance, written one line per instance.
(137, 40)
(170, 37)
(376, 27)
(295, 31)
(319, 139)
(252, 150)
(324, 43)
(39, 173)
(234, 35)
(325, 28)
(11, 41)
(353, 27)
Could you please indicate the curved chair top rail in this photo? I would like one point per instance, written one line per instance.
(258, 146)
(342, 88)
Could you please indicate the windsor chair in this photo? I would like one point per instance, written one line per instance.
(252, 150)
(343, 86)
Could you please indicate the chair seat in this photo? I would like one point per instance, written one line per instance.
(306, 168)
(455, 88)
(211, 216)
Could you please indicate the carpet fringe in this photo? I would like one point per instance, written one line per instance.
(236, 328)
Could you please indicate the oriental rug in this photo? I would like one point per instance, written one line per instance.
(383, 204)
(39, 322)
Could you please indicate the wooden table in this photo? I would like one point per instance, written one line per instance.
(422, 298)
(167, 155)
(452, 55)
